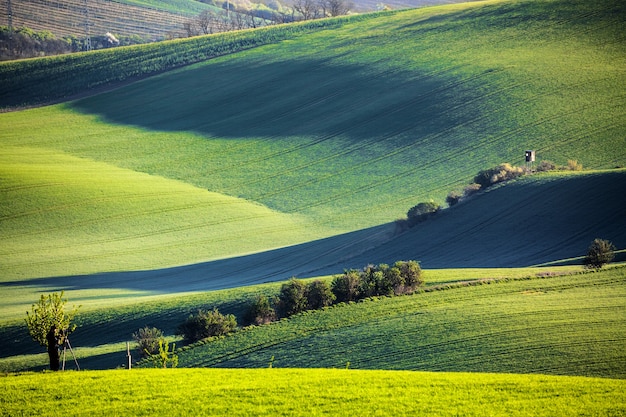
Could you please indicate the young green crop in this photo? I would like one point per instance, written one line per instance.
(108, 318)
(571, 325)
(341, 129)
(312, 392)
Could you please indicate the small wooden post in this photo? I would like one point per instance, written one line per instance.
(128, 356)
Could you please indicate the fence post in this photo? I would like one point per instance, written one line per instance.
(128, 356)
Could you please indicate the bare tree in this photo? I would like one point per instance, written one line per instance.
(335, 7)
(206, 22)
(308, 9)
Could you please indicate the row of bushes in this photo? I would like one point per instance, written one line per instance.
(374, 280)
(295, 296)
(484, 179)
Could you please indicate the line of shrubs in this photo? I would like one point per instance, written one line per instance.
(295, 296)
(483, 180)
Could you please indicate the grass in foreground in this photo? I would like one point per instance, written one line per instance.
(313, 392)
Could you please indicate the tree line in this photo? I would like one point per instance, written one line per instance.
(238, 16)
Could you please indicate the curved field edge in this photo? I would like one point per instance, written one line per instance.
(62, 215)
(569, 325)
(312, 392)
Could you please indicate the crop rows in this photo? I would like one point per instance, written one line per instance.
(69, 17)
(547, 323)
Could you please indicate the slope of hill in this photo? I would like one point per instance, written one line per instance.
(350, 127)
(571, 325)
(75, 212)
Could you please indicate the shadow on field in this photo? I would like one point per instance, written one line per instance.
(320, 257)
(537, 220)
(308, 96)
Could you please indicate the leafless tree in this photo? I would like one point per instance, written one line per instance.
(335, 7)
(308, 9)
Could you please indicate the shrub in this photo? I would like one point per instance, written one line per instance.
(502, 172)
(206, 324)
(147, 339)
(600, 252)
(319, 295)
(411, 273)
(165, 355)
(422, 212)
(260, 311)
(346, 286)
(293, 297)
(573, 165)
(544, 166)
(453, 198)
(374, 281)
(471, 189)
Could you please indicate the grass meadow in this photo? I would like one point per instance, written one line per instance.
(180, 191)
(312, 392)
(526, 320)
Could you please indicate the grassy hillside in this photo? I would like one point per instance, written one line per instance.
(73, 212)
(113, 308)
(270, 392)
(571, 325)
(348, 128)
(543, 218)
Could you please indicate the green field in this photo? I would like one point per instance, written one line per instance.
(271, 392)
(338, 130)
(292, 154)
(572, 325)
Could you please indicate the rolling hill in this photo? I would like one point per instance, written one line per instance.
(294, 157)
(343, 129)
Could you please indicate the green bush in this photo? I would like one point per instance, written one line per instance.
(260, 311)
(346, 286)
(574, 165)
(206, 324)
(502, 172)
(545, 166)
(319, 295)
(600, 253)
(381, 280)
(147, 339)
(453, 198)
(422, 212)
(411, 273)
(293, 297)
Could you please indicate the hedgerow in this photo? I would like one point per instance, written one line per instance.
(297, 296)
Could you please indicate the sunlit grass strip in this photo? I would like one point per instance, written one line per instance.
(61, 213)
(313, 392)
